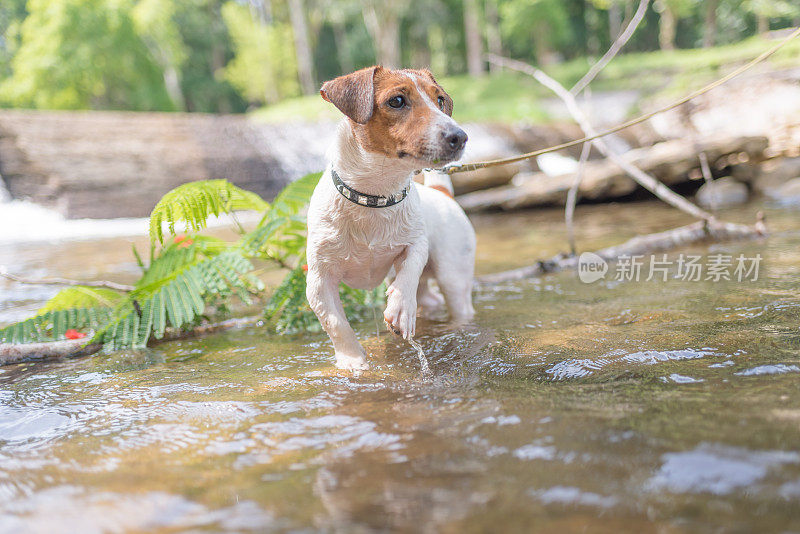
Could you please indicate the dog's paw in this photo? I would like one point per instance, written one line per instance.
(356, 364)
(401, 313)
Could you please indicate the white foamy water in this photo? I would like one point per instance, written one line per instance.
(25, 222)
(5, 196)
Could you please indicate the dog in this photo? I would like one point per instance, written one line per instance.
(368, 220)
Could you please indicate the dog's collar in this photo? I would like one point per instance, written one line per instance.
(363, 199)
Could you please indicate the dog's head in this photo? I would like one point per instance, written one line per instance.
(399, 113)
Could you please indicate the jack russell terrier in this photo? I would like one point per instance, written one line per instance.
(367, 216)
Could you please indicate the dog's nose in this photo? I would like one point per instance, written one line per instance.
(455, 138)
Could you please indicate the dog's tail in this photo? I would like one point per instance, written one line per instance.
(439, 181)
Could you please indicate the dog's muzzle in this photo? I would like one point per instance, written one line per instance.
(453, 141)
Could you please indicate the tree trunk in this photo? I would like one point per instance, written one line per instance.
(710, 37)
(614, 20)
(762, 24)
(541, 44)
(217, 64)
(473, 38)
(493, 42)
(666, 28)
(305, 62)
(342, 52)
(383, 24)
(172, 82)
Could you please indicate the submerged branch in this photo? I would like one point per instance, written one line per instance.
(698, 232)
(11, 353)
(65, 282)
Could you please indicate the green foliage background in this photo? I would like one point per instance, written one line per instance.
(228, 55)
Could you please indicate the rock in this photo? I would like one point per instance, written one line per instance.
(119, 164)
(789, 193)
(722, 193)
(773, 174)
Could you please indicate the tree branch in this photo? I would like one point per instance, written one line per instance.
(640, 177)
(572, 197)
(53, 350)
(616, 46)
(64, 282)
(614, 50)
(644, 244)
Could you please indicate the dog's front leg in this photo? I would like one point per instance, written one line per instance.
(401, 297)
(322, 291)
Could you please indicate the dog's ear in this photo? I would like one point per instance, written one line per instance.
(353, 94)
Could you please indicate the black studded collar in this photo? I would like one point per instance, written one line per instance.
(363, 199)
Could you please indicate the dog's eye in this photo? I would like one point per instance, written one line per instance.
(440, 101)
(396, 102)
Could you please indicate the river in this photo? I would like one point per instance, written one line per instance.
(649, 406)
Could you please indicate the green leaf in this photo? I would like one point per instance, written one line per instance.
(51, 325)
(193, 203)
(294, 197)
(82, 297)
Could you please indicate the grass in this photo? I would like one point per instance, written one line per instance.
(512, 97)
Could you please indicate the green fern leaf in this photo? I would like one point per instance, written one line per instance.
(295, 196)
(51, 325)
(193, 203)
(82, 297)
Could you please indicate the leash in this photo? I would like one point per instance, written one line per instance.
(466, 167)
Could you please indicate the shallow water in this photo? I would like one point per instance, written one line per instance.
(614, 406)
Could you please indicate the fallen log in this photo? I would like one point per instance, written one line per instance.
(52, 350)
(671, 162)
(701, 231)
(485, 178)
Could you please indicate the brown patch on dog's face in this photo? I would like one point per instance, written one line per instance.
(398, 113)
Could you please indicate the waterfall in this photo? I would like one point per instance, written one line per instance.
(5, 196)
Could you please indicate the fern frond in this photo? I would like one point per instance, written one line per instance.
(51, 325)
(178, 298)
(82, 297)
(193, 203)
(294, 197)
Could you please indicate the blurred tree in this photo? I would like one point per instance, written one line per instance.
(764, 10)
(542, 23)
(383, 23)
(473, 38)
(710, 33)
(264, 68)
(155, 22)
(209, 49)
(76, 54)
(12, 13)
(671, 11)
(494, 42)
(305, 61)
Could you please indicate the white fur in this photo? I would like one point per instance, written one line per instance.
(426, 236)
